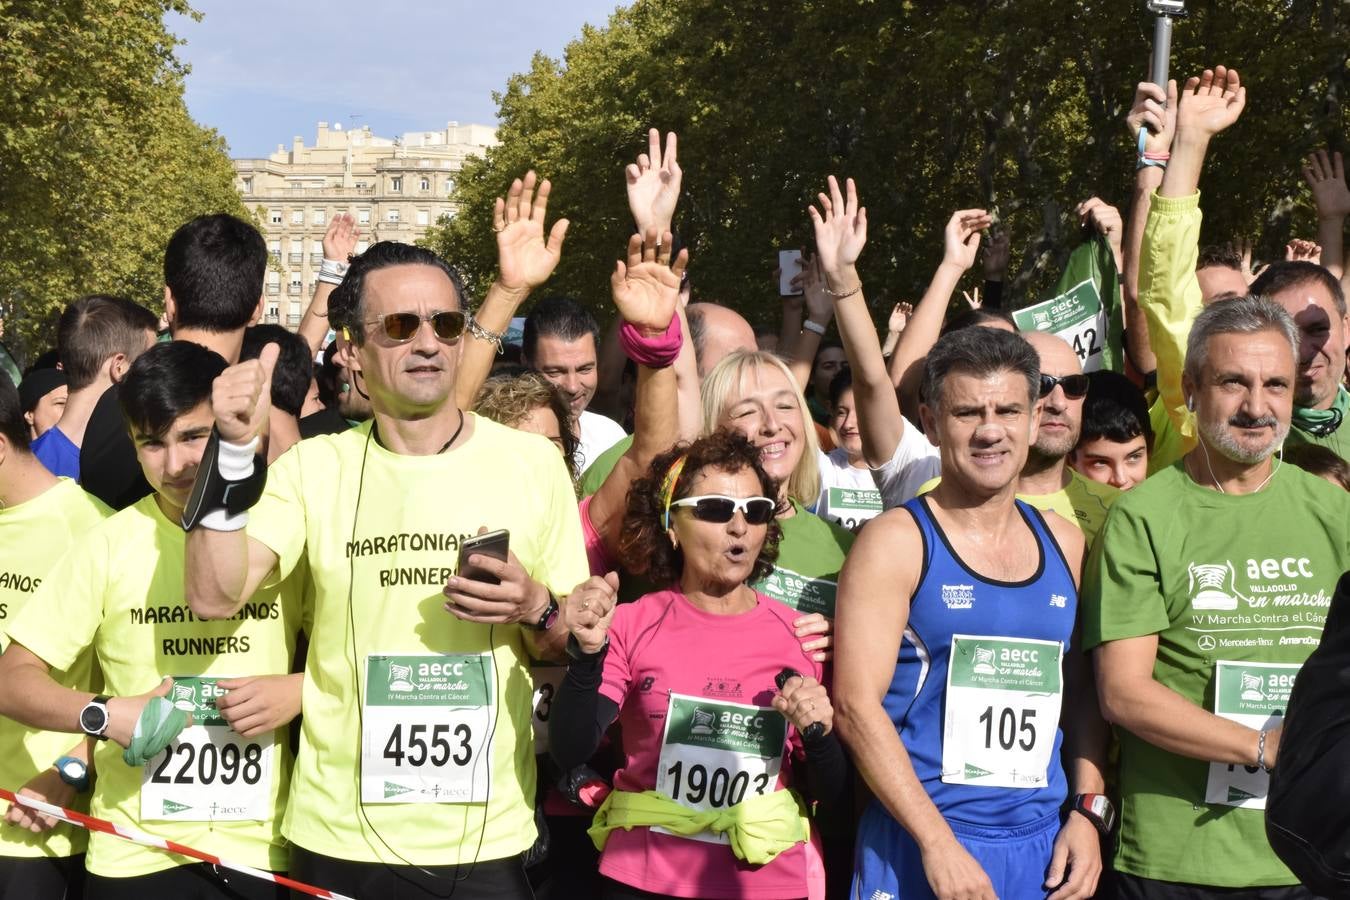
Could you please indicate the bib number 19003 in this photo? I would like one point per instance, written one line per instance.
(426, 720)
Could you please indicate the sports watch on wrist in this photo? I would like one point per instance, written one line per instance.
(94, 718)
(550, 614)
(1097, 809)
(74, 772)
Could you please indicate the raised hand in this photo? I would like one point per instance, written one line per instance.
(241, 397)
(1103, 218)
(1326, 176)
(972, 298)
(524, 259)
(1244, 246)
(819, 306)
(841, 231)
(997, 253)
(1157, 110)
(589, 609)
(654, 185)
(1210, 103)
(961, 237)
(339, 240)
(1299, 250)
(900, 317)
(646, 289)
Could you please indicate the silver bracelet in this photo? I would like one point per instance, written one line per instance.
(848, 293)
(1261, 750)
(483, 334)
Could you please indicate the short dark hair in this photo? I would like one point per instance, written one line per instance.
(1219, 256)
(12, 423)
(971, 318)
(979, 352)
(214, 267)
(96, 327)
(1290, 273)
(1318, 460)
(841, 382)
(558, 317)
(1115, 410)
(644, 548)
(346, 303)
(294, 369)
(165, 382)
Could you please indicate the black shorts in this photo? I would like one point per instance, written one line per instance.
(41, 877)
(1134, 887)
(198, 881)
(496, 879)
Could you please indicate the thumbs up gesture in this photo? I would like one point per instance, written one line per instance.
(241, 397)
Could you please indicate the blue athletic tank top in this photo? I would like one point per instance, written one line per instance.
(952, 599)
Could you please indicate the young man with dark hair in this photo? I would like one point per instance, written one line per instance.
(98, 338)
(220, 782)
(1218, 270)
(1114, 442)
(561, 342)
(41, 517)
(290, 383)
(213, 286)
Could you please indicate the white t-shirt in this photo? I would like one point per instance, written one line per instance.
(914, 462)
(848, 497)
(598, 434)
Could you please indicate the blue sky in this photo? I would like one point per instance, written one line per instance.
(263, 72)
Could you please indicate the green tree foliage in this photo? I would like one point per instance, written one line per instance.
(1018, 106)
(99, 159)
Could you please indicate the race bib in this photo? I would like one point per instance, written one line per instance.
(1003, 701)
(800, 592)
(209, 773)
(1255, 695)
(547, 679)
(853, 506)
(715, 754)
(1077, 316)
(427, 719)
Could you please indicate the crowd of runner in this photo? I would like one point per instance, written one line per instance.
(960, 610)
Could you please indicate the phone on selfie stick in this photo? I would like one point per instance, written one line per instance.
(494, 544)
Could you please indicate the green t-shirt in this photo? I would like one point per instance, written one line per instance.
(1337, 442)
(598, 471)
(810, 555)
(1184, 562)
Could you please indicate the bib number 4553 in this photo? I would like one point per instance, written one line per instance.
(435, 744)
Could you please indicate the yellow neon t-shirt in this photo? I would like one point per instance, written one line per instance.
(120, 590)
(394, 524)
(1082, 501)
(33, 536)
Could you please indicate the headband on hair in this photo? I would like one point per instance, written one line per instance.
(668, 484)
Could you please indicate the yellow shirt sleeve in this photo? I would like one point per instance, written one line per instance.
(278, 519)
(72, 594)
(1169, 295)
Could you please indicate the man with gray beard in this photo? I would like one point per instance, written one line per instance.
(1207, 591)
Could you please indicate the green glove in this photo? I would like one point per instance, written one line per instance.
(159, 724)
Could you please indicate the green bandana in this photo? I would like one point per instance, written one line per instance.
(1322, 422)
(159, 724)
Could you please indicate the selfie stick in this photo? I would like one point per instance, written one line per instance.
(1166, 11)
(103, 826)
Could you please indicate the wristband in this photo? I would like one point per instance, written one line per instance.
(848, 293)
(230, 480)
(654, 352)
(1261, 751)
(815, 327)
(332, 271)
(1146, 159)
(483, 334)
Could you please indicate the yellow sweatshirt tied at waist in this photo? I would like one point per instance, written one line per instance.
(759, 827)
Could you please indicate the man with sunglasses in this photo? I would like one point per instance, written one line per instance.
(417, 773)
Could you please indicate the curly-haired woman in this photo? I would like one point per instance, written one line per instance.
(705, 803)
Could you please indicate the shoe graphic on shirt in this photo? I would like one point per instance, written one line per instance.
(1213, 586)
(1251, 687)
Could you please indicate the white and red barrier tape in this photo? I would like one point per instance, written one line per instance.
(103, 826)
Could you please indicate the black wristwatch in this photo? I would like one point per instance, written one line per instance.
(1097, 809)
(550, 614)
(94, 718)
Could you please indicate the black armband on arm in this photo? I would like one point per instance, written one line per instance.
(225, 489)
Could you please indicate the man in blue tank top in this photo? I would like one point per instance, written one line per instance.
(957, 659)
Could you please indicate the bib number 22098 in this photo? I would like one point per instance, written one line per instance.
(426, 721)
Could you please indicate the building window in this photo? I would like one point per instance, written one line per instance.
(363, 217)
(294, 286)
(315, 252)
(274, 248)
(274, 216)
(320, 217)
(396, 184)
(297, 217)
(449, 185)
(391, 215)
(248, 185)
(425, 184)
(274, 288)
(423, 217)
(272, 312)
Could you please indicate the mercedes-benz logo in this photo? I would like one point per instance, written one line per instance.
(1206, 642)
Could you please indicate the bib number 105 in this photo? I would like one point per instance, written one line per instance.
(437, 745)
(1010, 727)
(718, 789)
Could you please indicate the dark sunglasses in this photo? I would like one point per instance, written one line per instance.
(1075, 386)
(402, 327)
(720, 509)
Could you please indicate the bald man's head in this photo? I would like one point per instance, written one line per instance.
(1061, 413)
(715, 332)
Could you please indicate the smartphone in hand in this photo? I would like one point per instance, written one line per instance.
(494, 544)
